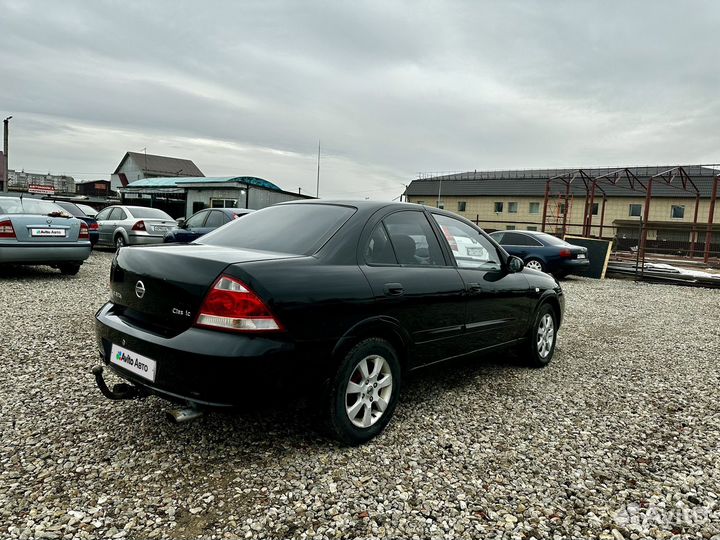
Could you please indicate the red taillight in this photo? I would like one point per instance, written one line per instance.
(94, 226)
(6, 229)
(231, 305)
(565, 253)
(139, 226)
(84, 231)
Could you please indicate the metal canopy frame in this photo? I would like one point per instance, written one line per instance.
(567, 179)
(675, 177)
(667, 177)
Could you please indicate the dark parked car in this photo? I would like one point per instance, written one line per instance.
(544, 252)
(203, 222)
(335, 300)
(76, 211)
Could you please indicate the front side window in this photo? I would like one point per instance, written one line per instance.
(635, 210)
(534, 208)
(103, 214)
(469, 247)
(196, 221)
(677, 212)
(512, 207)
(498, 207)
(413, 239)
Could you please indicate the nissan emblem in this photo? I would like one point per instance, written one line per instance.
(139, 289)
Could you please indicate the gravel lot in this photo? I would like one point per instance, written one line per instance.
(617, 438)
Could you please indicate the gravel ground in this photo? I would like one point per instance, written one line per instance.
(618, 438)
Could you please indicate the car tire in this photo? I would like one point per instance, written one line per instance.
(120, 241)
(540, 344)
(535, 264)
(358, 406)
(69, 269)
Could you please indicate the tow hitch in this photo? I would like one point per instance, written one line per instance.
(119, 390)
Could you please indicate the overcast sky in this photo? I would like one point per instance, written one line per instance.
(391, 88)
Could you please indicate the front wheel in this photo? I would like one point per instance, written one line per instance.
(363, 392)
(540, 345)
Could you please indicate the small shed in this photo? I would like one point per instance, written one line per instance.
(182, 197)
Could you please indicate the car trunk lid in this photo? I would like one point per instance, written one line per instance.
(44, 229)
(161, 288)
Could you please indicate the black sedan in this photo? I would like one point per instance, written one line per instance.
(334, 300)
(78, 212)
(204, 221)
(544, 252)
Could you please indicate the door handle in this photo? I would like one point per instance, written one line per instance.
(474, 288)
(393, 289)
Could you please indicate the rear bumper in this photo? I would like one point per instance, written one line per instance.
(135, 239)
(45, 253)
(207, 367)
(573, 266)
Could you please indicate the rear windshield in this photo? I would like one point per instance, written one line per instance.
(89, 210)
(149, 213)
(298, 229)
(29, 206)
(70, 207)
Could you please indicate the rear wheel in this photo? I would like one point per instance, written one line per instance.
(540, 346)
(535, 264)
(69, 269)
(363, 392)
(119, 241)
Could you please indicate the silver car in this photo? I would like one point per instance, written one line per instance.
(132, 225)
(39, 232)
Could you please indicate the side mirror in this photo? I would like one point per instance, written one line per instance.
(515, 264)
(180, 222)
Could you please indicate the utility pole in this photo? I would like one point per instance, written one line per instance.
(6, 180)
(317, 188)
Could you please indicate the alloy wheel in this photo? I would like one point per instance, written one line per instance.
(368, 391)
(535, 265)
(545, 335)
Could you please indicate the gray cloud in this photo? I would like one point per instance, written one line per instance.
(392, 88)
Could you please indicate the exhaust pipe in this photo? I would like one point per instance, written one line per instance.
(185, 414)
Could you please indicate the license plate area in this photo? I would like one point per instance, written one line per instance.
(581, 256)
(47, 232)
(133, 362)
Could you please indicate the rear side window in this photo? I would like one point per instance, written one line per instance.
(379, 249)
(518, 239)
(298, 229)
(413, 239)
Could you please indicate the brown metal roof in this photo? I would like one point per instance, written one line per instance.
(161, 165)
